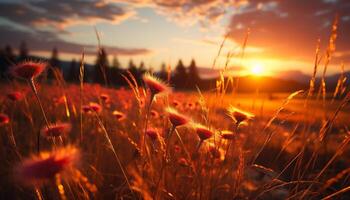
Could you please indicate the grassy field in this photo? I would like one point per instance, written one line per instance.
(122, 147)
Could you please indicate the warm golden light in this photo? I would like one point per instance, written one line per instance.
(257, 69)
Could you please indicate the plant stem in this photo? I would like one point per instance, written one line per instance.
(32, 85)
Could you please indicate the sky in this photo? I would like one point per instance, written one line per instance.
(282, 34)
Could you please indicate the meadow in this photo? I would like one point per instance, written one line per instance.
(148, 142)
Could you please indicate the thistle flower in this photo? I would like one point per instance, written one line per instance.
(118, 115)
(154, 114)
(227, 135)
(15, 96)
(43, 167)
(28, 70)
(95, 107)
(176, 118)
(176, 103)
(183, 162)
(86, 108)
(104, 97)
(203, 132)
(56, 130)
(152, 133)
(155, 85)
(239, 116)
(4, 119)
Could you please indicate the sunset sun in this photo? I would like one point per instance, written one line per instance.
(257, 69)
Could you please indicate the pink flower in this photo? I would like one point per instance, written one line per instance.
(4, 119)
(15, 96)
(239, 116)
(203, 132)
(152, 133)
(118, 115)
(28, 69)
(176, 118)
(227, 135)
(56, 130)
(44, 167)
(155, 85)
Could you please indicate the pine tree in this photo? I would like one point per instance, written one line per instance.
(73, 75)
(54, 64)
(163, 72)
(193, 76)
(101, 67)
(180, 76)
(23, 51)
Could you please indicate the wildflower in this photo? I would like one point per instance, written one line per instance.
(29, 70)
(118, 115)
(155, 85)
(176, 118)
(239, 116)
(152, 133)
(183, 162)
(104, 97)
(176, 103)
(4, 119)
(154, 114)
(203, 132)
(95, 107)
(43, 167)
(214, 151)
(227, 135)
(86, 108)
(15, 96)
(56, 130)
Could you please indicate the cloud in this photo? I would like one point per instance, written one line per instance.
(188, 12)
(40, 23)
(59, 14)
(290, 28)
(46, 40)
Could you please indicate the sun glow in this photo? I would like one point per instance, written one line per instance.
(257, 69)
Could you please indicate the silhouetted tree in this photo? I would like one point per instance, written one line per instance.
(163, 72)
(7, 59)
(180, 76)
(115, 71)
(116, 63)
(23, 51)
(54, 64)
(141, 70)
(193, 76)
(73, 75)
(132, 68)
(101, 67)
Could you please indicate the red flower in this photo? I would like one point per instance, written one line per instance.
(155, 85)
(15, 96)
(176, 118)
(4, 119)
(46, 165)
(152, 133)
(203, 132)
(29, 69)
(56, 130)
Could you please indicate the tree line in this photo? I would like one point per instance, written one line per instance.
(102, 71)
